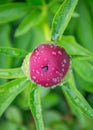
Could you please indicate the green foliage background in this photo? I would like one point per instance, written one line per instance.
(24, 24)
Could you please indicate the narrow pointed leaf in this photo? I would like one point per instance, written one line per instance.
(74, 49)
(62, 18)
(11, 73)
(14, 52)
(85, 120)
(84, 28)
(84, 84)
(35, 105)
(12, 11)
(84, 69)
(9, 91)
(29, 22)
(5, 41)
(76, 98)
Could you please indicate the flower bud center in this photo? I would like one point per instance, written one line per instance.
(45, 68)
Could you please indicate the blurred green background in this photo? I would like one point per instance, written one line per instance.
(56, 112)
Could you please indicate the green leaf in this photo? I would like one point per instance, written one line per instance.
(75, 15)
(29, 22)
(76, 98)
(84, 69)
(35, 105)
(84, 84)
(12, 11)
(14, 52)
(37, 37)
(84, 28)
(9, 91)
(62, 18)
(86, 122)
(5, 1)
(5, 41)
(74, 49)
(25, 38)
(35, 2)
(23, 42)
(11, 73)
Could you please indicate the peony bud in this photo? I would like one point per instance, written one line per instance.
(48, 64)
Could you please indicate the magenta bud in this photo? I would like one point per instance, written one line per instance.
(48, 64)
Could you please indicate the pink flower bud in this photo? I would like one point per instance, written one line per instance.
(48, 64)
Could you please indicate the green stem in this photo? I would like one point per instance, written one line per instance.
(35, 106)
(46, 24)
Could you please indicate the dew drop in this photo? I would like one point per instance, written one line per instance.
(34, 77)
(38, 115)
(63, 65)
(34, 60)
(37, 52)
(59, 52)
(51, 46)
(58, 79)
(63, 69)
(39, 58)
(55, 45)
(37, 72)
(61, 74)
(42, 46)
(54, 80)
(55, 36)
(35, 57)
(53, 86)
(57, 72)
(64, 61)
(54, 53)
(46, 84)
(77, 100)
